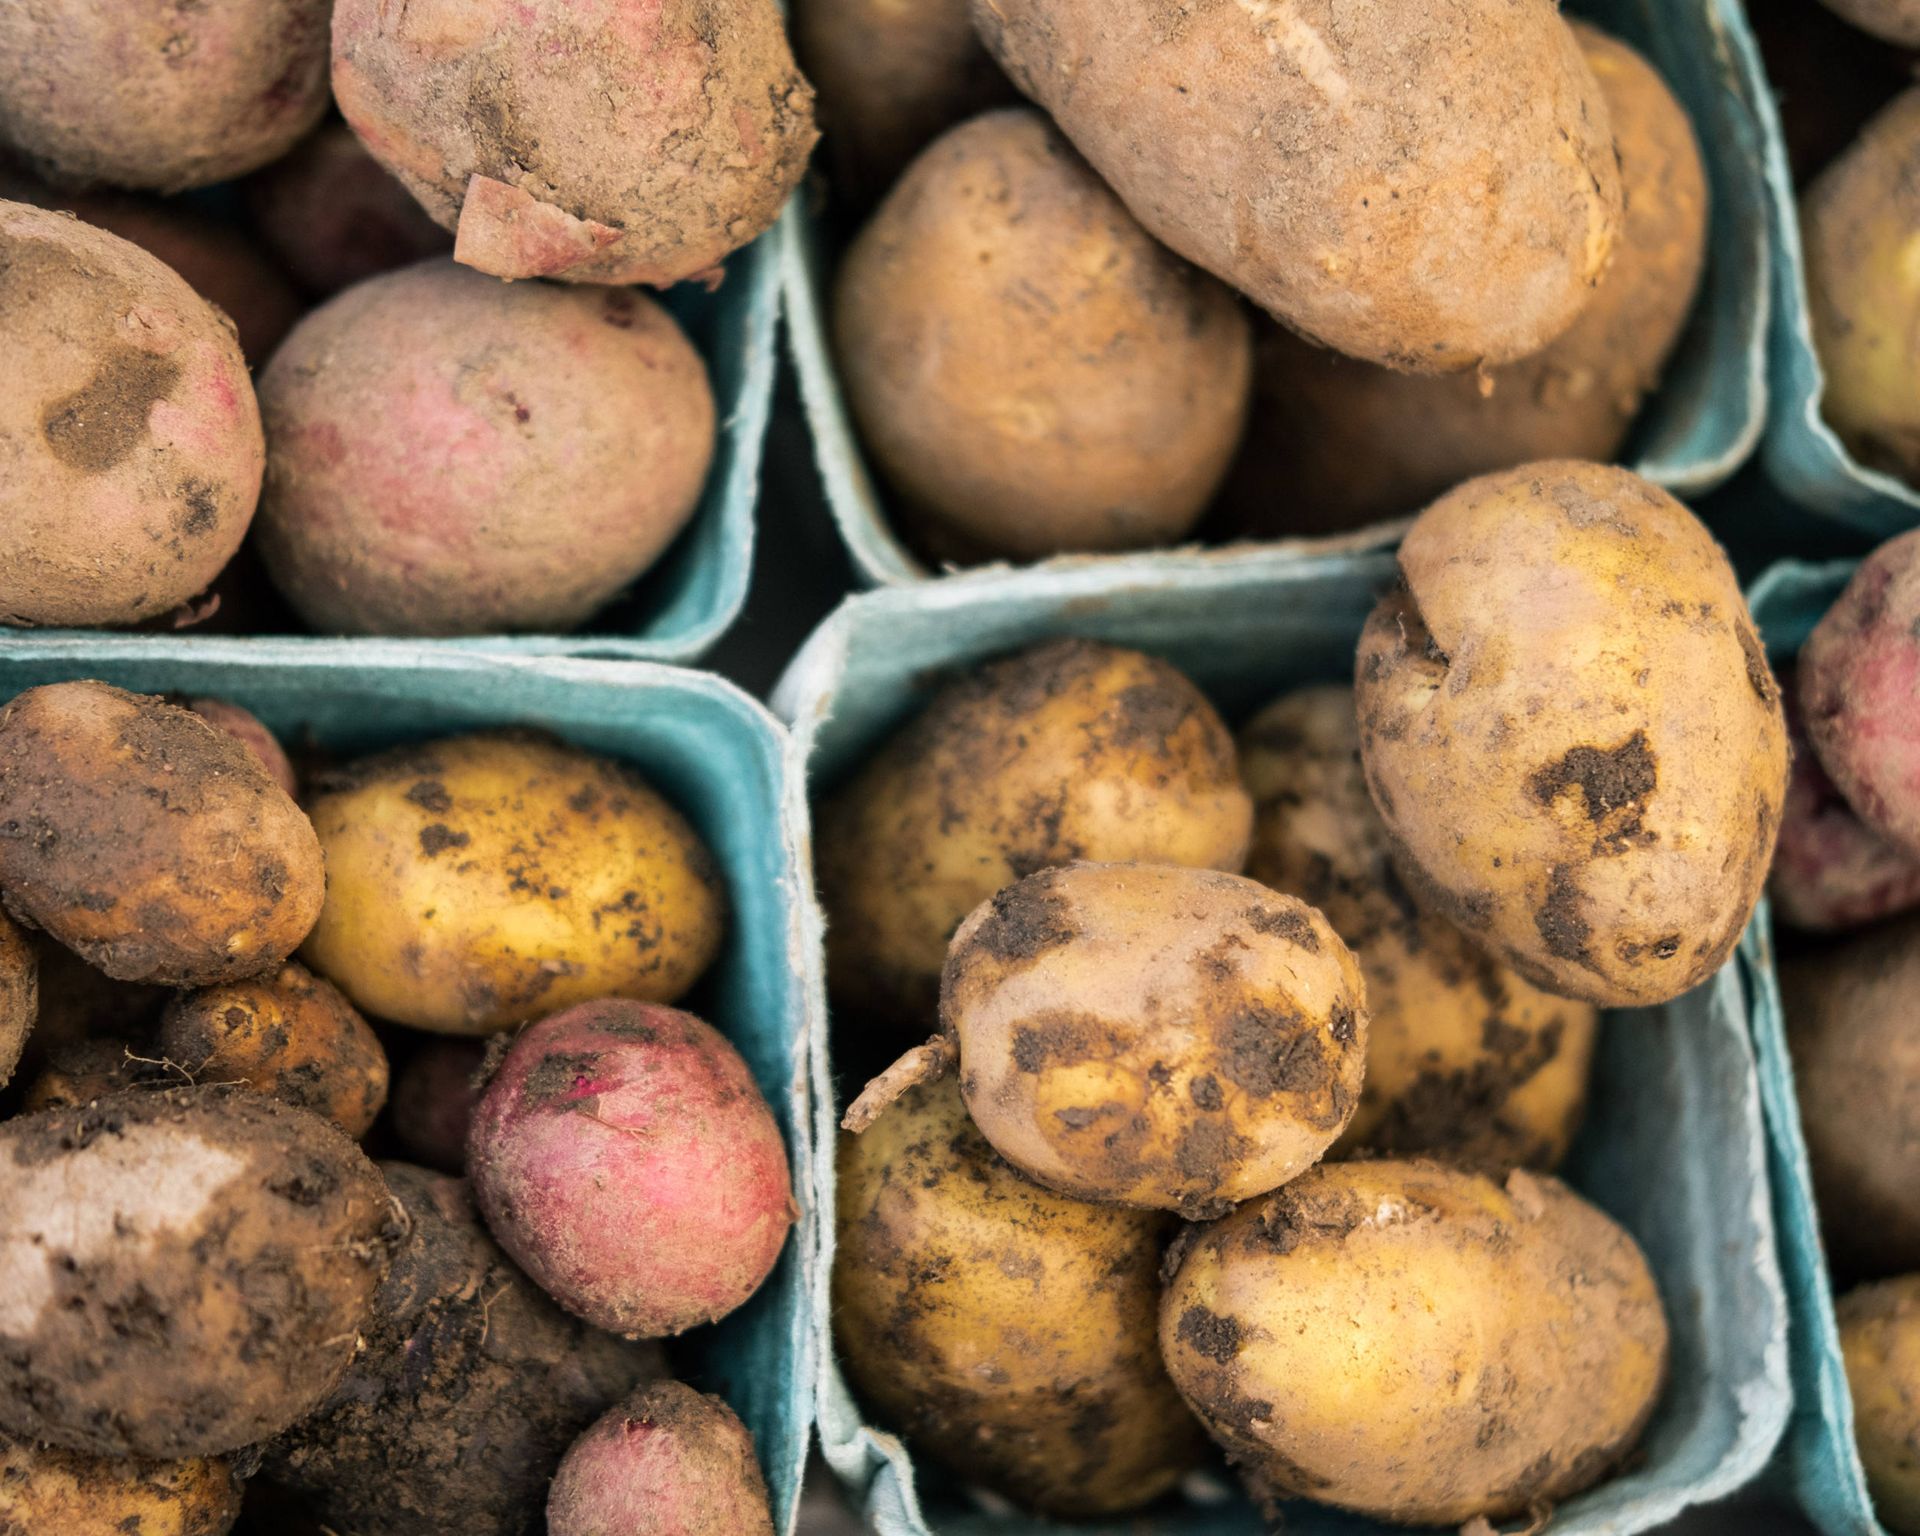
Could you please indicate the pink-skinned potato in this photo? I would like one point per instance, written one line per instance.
(625, 1158)
(455, 456)
(133, 442)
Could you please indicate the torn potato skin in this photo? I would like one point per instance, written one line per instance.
(49, 1492)
(1007, 1332)
(1418, 1343)
(1571, 733)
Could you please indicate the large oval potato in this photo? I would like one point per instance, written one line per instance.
(1418, 1343)
(1569, 728)
(1465, 1060)
(1880, 1343)
(48, 1492)
(478, 882)
(1006, 1331)
(19, 994)
(1067, 750)
(148, 841)
(1430, 184)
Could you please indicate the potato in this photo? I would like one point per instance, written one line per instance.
(480, 881)
(247, 729)
(590, 142)
(1418, 1343)
(134, 451)
(19, 994)
(1028, 368)
(162, 97)
(1570, 731)
(1067, 750)
(182, 1272)
(78, 1004)
(1429, 184)
(1856, 1067)
(1880, 1343)
(60, 1493)
(471, 1386)
(1897, 21)
(434, 1091)
(287, 1034)
(1337, 443)
(78, 1073)
(146, 840)
(1465, 1060)
(455, 456)
(1006, 1331)
(1148, 1035)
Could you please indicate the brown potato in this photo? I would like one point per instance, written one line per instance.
(1465, 1060)
(148, 841)
(48, 1492)
(1570, 731)
(1880, 1342)
(1418, 1343)
(1067, 750)
(1031, 372)
(1006, 1331)
(76, 1073)
(19, 994)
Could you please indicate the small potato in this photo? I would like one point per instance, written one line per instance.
(287, 1034)
(1568, 726)
(1068, 750)
(1466, 1061)
(48, 1492)
(478, 882)
(1418, 1343)
(148, 841)
(434, 1092)
(78, 1073)
(1856, 1064)
(1897, 21)
(1029, 369)
(19, 994)
(1006, 1331)
(1880, 1342)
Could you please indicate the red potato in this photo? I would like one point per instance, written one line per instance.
(245, 728)
(624, 1157)
(431, 1106)
(452, 455)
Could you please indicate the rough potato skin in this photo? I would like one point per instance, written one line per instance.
(247, 729)
(434, 1092)
(1466, 1061)
(1896, 21)
(1418, 1343)
(1568, 726)
(148, 841)
(285, 1033)
(197, 93)
(1030, 370)
(472, 1384)
(581, 139)
(1337, 443)
(1880, 1342)
(1070, 749)
(1856, 1067)
(446, 446)
(19, 994)
(480, 881)
(1150, 1035)
(133, 444)
(182, 1272)
(1007, 1332)
(669, 1461)
(48, 1492)
(77, 1072)
(1430, 184)
(624, 1156)
(1859, 687)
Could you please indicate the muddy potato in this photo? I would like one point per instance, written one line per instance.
(19, 994)
(1570, 731)
(1418, 1343)
(149, 842)
(77, 1072)
(1880, 1343)
(1067, 750)
(1006, 1331)
(48, 1492)
(1465, 1060)
(478, 882)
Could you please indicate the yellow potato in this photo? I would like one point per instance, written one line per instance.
(48, 1492)
(1880, 1342)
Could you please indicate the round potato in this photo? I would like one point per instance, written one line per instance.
(1006, 1331)
(151, 843)
(1880, 1343)
(1897, 21)
(62, 1493)
(1570, 731)
(481, 881)
(1030, 371)
(1418, 1343)
(19, 994)
(1068, 750)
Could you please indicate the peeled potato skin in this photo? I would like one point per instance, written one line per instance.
(1570, 731)
(1418, 1343)
(1880, 1343)
(48, 1492)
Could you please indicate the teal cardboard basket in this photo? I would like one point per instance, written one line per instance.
(1694, 433)
(712, 751)
(1674, 1146)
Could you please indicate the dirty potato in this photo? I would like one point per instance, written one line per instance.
(49, 1492)
(19, 994)
(1880, 1343)
(478, 882)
